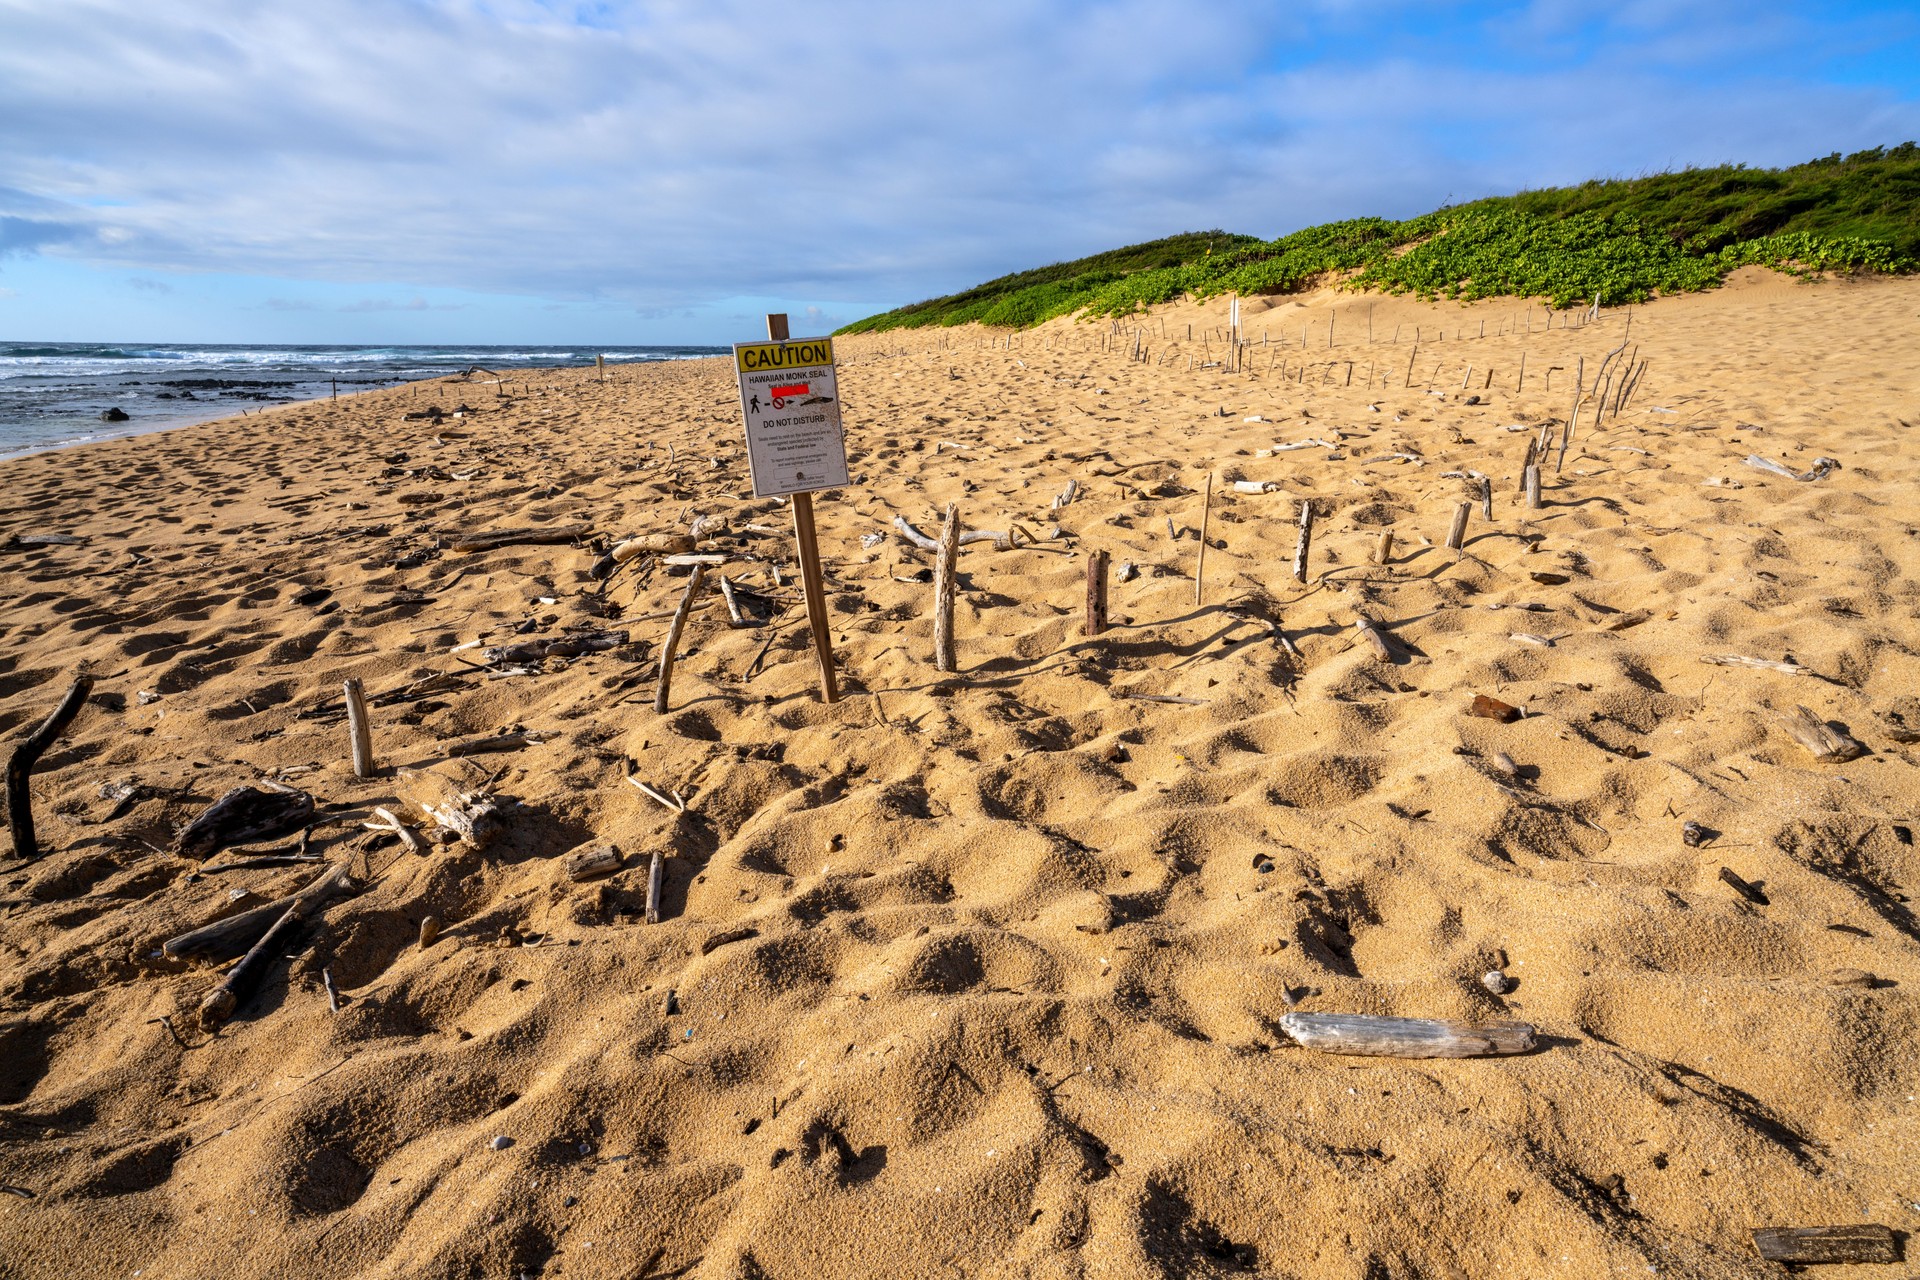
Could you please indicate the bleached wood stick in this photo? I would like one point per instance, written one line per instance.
(656, 875)
(913, 535)
(1822, 741)
(408, 836)
(359, 731)
(733, 606)
(1370, 631)
(1864, 1242)
(1760, 664)
(1458, 532)
(1530, 481)
(677, 808)
(944, 658)
(680, 615)
(1365, 1034)
(1305, 544)
(1002, 539)
(1254, 486)
(1384, 552)
(1067, 495)
(1200, 564)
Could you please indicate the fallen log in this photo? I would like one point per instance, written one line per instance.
(509, 537)
(1370, 1036)
(225, 939)
(242, 816)
(220, 1002)
(20, 764)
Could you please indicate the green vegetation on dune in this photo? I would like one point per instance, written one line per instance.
(1618, 241)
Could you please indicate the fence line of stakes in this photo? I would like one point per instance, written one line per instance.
(1614, 384)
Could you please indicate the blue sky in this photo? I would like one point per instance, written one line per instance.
(666, 171)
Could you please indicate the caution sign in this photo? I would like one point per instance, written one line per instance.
(792, 407)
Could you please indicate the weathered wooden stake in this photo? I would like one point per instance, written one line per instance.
(1458, 533)
(1531, 483)
(20, 766)
(1384, 552)
(1486, 498)
(1096, 592)
(1305, 543)
(1200, 565)
(656, 876)
(359, 730)
(672, 643)
(944, 658)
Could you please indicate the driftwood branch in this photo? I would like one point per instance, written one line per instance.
(509, 537)
(1822, 741)
(1866, 1242)
(1002, 540)
(1759, 664)
(1364, 1034)
(1371, 632)
(220, 1002)
(225, 939)
(694, 582)
(27, 754)
(1821, 469)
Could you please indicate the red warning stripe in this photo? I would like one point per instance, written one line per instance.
(799, 389)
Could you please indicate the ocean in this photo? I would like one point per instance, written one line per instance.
(53, 393)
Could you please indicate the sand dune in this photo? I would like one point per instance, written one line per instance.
(1009, 947)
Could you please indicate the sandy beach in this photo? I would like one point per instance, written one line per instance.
(982, 974)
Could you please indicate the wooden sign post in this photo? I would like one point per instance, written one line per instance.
(789, 396)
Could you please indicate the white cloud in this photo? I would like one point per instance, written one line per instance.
(667, 154)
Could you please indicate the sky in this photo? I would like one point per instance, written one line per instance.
(612, 173)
